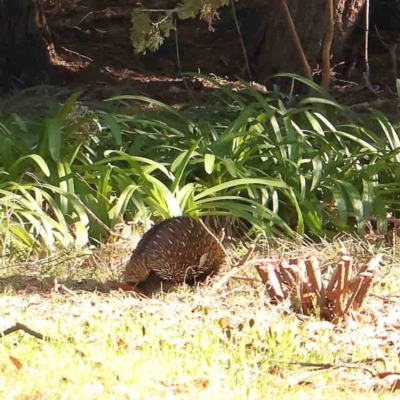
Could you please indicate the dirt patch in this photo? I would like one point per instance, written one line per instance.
(94, 53)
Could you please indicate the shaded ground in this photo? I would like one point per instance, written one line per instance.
(94, 51)
(94, 54)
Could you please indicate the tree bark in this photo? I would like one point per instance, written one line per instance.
(275, 52)
(24, 43)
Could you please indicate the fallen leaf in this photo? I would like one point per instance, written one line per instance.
(122, 343)
(391, 380)
(203, 383)
(383, 375)
(16, 362)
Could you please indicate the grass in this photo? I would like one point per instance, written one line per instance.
(200, 344)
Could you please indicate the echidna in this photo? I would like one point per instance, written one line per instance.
(177, 250)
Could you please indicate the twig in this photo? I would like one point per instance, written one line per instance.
(178, 57)
(296, 40)
(89, 13)
(178, 61)
(243, 278)
(366, 45)
(24, 328)
(385, 298)
(48, 260)
(246, 258)
(246, 60)
(63, 288)
(77, 54)
(242, 263)
(326, 47)
(218, 241)
(322, 366)
(171, 10)
(305, 377)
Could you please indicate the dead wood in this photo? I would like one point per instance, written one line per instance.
(301, 282)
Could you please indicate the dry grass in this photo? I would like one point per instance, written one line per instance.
(205, 343)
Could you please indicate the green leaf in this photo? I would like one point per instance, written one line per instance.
(355, 199)
(300, 221)
(115, 128)
(398, 87)
(121, 205)
(21, 233)
(134, 161)
(240, 183)
(38, 161)
(178, 161)
(368, 196)
(340, 200)
(165, 196)
(311, 84)
(303, 188)
(63, 186)
(380, 213)
(230, 166)
(185, 195)
(181, 168)
(67, 108)
(317, 171)
(209, 161)
(76, 203)
(52, 128)
(157, 103)
(20, 122)
(253, 212)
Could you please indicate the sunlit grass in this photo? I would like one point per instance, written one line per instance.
(182, 346)
(193, 344)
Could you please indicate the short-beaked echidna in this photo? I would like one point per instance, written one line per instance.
(177, 250)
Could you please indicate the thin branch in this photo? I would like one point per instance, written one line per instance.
(178, 57)
(246, 60)
(366, 57)
(76, 53)
(61, 287)
(241, 264)
(178, 61)
(24, 328)
(218, 241)
(325, 366)
(171, 10)
(296, 39)
(326, 48)
(49, 260)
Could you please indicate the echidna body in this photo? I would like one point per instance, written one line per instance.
(177, 250)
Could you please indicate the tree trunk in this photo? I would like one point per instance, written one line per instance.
(275, 50)
(24, 42)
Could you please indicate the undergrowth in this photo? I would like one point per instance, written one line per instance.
(255, 163)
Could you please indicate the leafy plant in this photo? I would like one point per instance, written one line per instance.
(151, 27)
(282, 165)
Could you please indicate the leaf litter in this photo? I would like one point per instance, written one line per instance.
(212, 339)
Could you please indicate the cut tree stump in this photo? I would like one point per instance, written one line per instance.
(300, 281)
